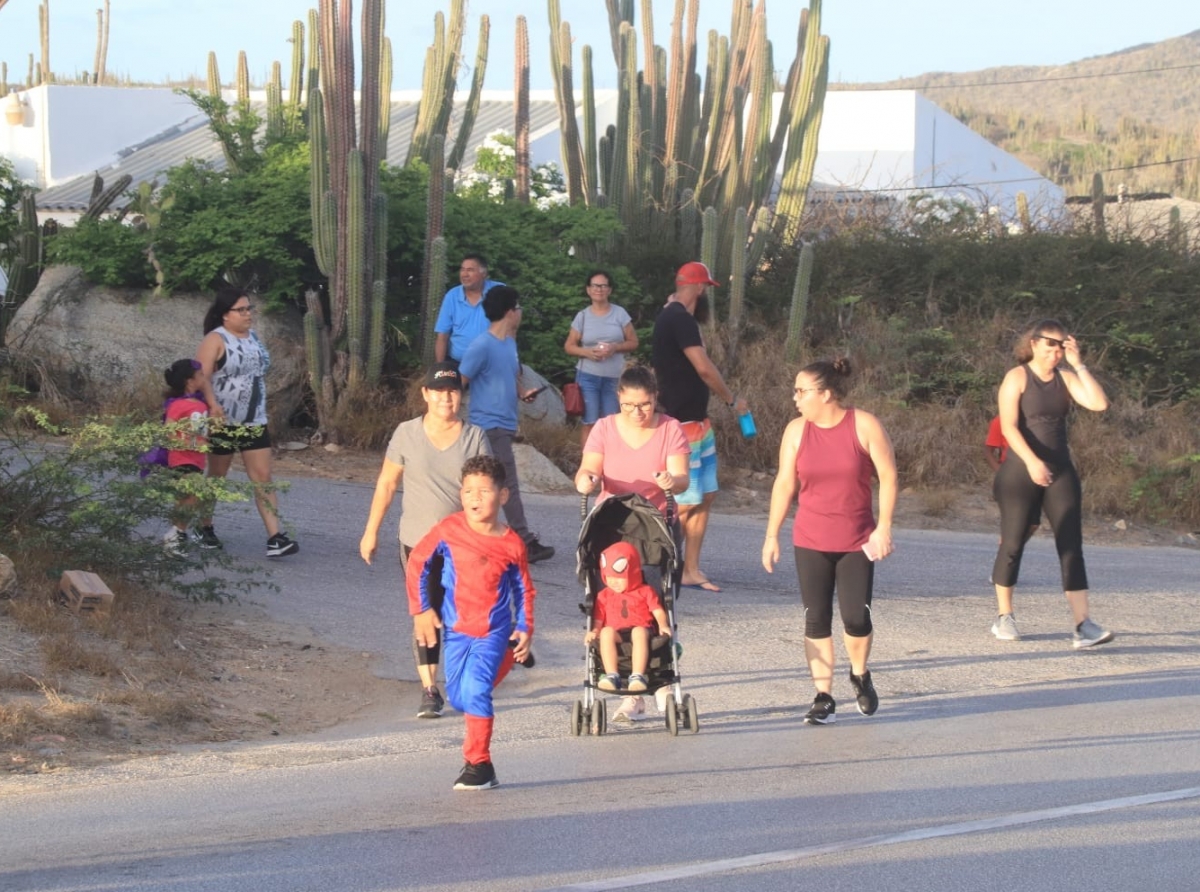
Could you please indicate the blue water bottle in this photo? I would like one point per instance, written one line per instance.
(746, 422)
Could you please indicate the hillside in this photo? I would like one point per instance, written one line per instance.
(1135, 110)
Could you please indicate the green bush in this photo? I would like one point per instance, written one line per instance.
(74, 495)
(108, 252)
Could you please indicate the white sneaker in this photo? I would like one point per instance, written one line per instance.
(632, 709)
(1005, 628)
(661, 696)
(175, 541)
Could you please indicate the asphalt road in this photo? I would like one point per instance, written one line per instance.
(989, 765)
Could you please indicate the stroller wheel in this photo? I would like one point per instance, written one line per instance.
(691, 718)
(599, 718)
(577, 718)
(672, 718)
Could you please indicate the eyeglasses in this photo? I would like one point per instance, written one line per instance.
(1053, 342)
(636, 407)
(599, 285)
(802, 390)
(249, 308)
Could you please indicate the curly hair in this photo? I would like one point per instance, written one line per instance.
(488, 466)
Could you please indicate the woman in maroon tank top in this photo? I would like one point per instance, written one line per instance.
(829, 455)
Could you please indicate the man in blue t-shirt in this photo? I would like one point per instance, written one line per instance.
(461, 318)
(491, 365)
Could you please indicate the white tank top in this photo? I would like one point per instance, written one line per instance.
(240, 383)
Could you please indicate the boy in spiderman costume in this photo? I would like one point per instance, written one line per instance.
(626, 605)
(487, 612)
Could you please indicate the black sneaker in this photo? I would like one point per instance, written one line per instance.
(868, 700)
(432, 704)
(477, 777)
(538, 551)
(822, 712)
(207, 537)
(279, 545)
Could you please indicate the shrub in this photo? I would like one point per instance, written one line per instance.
(74, 496)
(109, 253)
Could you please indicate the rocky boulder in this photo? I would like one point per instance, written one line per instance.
(8, 577)
(97, 342)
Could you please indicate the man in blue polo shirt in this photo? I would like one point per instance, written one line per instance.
(461, 319)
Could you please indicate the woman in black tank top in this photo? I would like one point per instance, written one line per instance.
(1037, 475)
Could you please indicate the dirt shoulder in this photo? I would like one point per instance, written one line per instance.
(231, 673)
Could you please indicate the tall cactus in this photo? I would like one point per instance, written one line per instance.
(348, 212)
(1098, 202)
(27, 264)
(435, 286)
(471, 110)
(799, 311)
(442, 61)
(521, 111)
(738, 275)
(434, 215)
(102, 198)
(1023, 212)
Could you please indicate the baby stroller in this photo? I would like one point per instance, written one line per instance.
(631, 518)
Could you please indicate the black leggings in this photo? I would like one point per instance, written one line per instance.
(425, 656)
(1021, 504)
(852, 574)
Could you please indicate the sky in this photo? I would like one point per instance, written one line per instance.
(871, 40)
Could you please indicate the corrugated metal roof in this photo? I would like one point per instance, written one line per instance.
(192, 139)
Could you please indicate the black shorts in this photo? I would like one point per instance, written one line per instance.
(230, 438)
(187, 469)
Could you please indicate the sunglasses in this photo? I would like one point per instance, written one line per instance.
(1053, 342)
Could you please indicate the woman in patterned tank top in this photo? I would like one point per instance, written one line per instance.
(235, 365)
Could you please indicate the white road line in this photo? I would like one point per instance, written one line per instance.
(724, 865)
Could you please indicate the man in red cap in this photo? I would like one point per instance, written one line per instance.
(686, 375)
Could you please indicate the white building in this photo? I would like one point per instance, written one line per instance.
(890, 143)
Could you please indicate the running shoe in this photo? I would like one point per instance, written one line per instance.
(1005, 628)
(432, 704)
(610, 682)
(632, 709)
(822, 712)
(279, 545)
(864, 690)
(481, 776)
(537, 551)
(175, 542)
(1089, 634)
(637, 683)
(206, 536)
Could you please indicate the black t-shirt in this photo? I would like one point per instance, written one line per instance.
(681, 392)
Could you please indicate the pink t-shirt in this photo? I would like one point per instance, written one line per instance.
(191, 415)
(627, 469)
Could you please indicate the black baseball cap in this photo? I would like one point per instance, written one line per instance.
(443, 376)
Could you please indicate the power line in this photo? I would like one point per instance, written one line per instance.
(1045, 80)
(975, 185)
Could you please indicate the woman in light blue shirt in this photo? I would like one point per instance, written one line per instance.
(600, 336)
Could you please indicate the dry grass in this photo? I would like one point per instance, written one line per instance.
(22, 723)
(938, 501)
(67, 653)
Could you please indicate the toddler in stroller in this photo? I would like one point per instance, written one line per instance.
(648, 556)
(624, 610)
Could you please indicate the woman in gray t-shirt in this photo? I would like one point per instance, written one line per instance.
(427, 453)
(600, 336)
